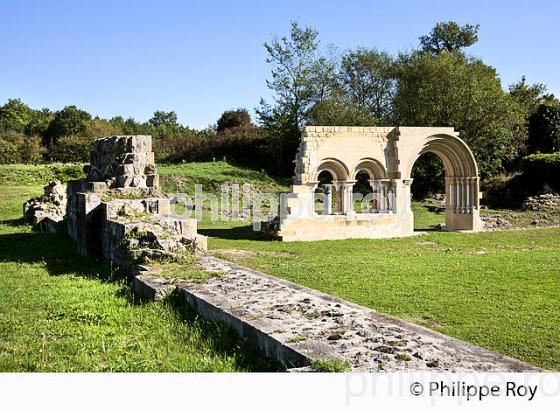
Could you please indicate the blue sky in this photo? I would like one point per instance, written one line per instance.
(199, 58)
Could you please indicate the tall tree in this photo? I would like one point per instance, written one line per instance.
(68, 121)
(544, 129)
(449, 36)
(368, 81)
(530, 96)
(451, 89)
(297, 76)
(164, 119)
(299, 80)
(14, 116)
(233, 119)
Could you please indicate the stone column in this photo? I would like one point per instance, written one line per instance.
(348, 197)
(327, 204)
(375, 194)
(450, 196)
(339, 188)
(468, 199)
(391, 198)
(458, 195)
(464, 204)
(474, 192)
(383, 195)
(407, 183)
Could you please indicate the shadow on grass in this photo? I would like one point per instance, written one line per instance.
(58, 253)
(221, 338)
(238, 233)
(14, 222)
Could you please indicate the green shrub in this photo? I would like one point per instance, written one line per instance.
(31, 151)
(8, 152)
(71, 148)
(503, 191)
(242, 146)
(540, 174)
(541, 169)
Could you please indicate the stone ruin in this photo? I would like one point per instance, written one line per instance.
(330, 158)
(544, 202)
(118, 211)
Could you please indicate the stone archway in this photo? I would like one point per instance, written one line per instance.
(461, 179)
(341, 185)
(387, 154)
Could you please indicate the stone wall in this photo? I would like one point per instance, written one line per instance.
(123, 161)
(118, 210)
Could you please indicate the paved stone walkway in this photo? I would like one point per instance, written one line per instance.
(318, 325)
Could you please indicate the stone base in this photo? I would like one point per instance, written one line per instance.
(463, 221)
(325, 227)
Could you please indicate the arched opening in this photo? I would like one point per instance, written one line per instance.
(461, 181)
(325, 194)
(371, 187)
(330, 185)
(428, 192)
(364, 200)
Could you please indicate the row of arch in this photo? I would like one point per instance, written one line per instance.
(458, 161)
(341, 172)
(338, 196)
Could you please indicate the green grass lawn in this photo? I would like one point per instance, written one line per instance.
(499, 290)
(182, 178)
(62, 312)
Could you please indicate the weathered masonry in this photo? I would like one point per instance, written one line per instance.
(387, 155)
(118, 211)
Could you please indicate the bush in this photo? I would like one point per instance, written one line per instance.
(31, 151)
(539, 175)
(8, 152)
(541, 169)
(233, 119)
(17, 148)
(243, 146)
(503, 191)
(71, 148)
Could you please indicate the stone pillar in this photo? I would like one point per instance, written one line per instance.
(375, 194)
(327, 205)
(348, 197)
(382, 195)
(449, 193)
(468, 200)
(474, 192)
(457, 195)
(339, 190)
(391, 197)
(465, 208)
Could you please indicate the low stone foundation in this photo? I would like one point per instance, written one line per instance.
(320, 227)
(295, 325)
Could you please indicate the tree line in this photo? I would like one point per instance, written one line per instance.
(436, 84)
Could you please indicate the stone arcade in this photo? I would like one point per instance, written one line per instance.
(387, 155)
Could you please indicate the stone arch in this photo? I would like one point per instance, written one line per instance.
(458, 159)
(335, 167)
(373, 167)
(461, 179)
